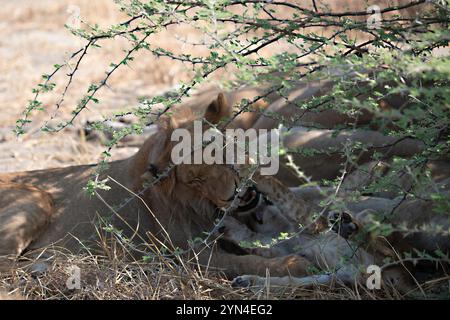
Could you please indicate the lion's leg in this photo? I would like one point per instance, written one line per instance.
(234, 265)
(257, 283)
(345, 275)
(24, 214)
(395, 278)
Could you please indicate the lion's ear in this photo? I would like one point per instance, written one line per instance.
(166, 123)
(218, 109)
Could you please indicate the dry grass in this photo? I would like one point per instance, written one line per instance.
(113, 273)
(163, 278)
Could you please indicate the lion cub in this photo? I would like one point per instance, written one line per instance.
(265, 231)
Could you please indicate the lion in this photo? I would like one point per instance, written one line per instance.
(267, 107)
(343, 251)
(314, 128)
(51, 208)
(339, 259)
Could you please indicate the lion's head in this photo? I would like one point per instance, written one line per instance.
(214, 183)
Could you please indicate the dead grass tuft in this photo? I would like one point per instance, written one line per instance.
(114, 278)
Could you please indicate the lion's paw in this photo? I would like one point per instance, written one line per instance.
(244, 281)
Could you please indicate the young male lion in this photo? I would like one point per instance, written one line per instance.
(46, 208)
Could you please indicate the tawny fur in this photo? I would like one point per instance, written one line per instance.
(178, 209)
(344, 259)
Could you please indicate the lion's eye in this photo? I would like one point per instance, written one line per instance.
(197, 180)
